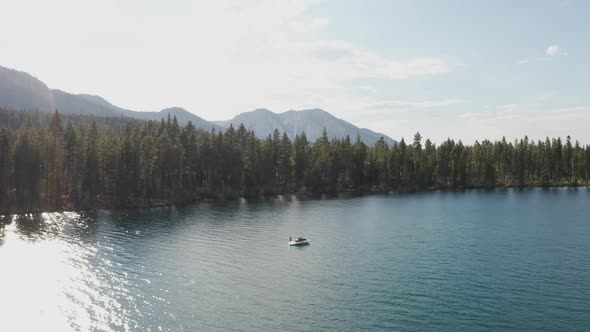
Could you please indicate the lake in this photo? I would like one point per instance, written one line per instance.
(477, 260)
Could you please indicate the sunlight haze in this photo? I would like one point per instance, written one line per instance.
(498, 68)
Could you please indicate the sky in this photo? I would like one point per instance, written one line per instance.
(468, 70)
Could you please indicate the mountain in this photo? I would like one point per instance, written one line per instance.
(19, 90)
(311, 121)
(67, 103)
(183, 116)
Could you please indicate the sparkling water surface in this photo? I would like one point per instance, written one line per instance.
(475, 260)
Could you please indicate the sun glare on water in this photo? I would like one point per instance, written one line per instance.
(47, 282)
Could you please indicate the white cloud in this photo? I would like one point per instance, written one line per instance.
(552, 50)
(216, 58)
(368, 88)
(397, 117)
(412, 105)
(536, 120)
(523, 61)
(308, 26)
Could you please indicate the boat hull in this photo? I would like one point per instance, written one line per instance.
(302, 243)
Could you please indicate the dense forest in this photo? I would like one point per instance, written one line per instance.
(54, 162)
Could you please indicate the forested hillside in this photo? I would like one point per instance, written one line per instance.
(54, 162)
(20, 90)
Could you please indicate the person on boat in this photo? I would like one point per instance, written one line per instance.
(290, 239)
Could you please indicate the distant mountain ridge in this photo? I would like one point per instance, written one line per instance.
(310, 121)
(20, 90)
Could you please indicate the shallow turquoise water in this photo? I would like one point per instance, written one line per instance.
(442, 261)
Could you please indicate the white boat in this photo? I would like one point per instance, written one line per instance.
(298, 241)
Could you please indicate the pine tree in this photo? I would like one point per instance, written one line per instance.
(55, 163)
(72, 157)
(284, 164)
(300, 159)
(4, 171)
(27, 169)
(121, 162)
(90, 182)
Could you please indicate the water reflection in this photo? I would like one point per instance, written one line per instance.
(402, 261)
(48, 278)
(3, 222)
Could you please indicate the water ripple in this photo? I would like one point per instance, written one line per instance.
(474, 260)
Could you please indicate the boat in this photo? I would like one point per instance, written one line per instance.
(298, 241)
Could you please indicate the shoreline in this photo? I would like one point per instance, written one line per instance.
(306, 195)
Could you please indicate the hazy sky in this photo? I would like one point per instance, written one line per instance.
(461, 69)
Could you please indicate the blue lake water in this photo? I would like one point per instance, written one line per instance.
(442, 261)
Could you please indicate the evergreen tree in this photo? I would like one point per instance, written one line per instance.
(54, 162)
(27, 169)
(90, 184)
(105, 162)
(4, 171)
(284, 164)
(300, 159)
(72, 157)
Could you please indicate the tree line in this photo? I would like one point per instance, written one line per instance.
(55, 162)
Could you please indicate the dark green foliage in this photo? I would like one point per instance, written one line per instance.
(5, 170)
(27, 168)
(53, 162)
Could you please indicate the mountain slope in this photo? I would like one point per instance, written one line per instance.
(311, 121)
(19, 90)
(67, 103)
(183, 116)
